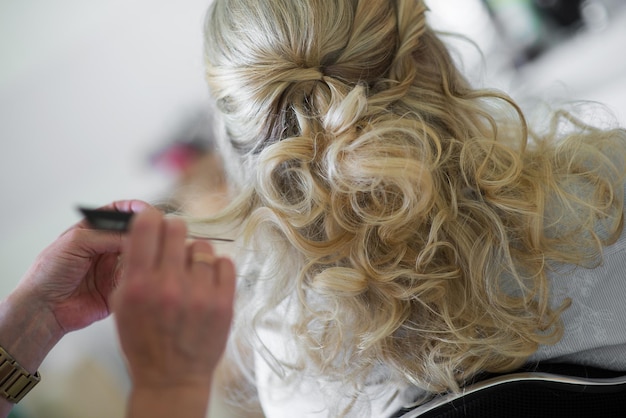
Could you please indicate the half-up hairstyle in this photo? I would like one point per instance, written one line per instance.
(413, 218)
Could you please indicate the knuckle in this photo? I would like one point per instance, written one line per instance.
(74, 235)
(170, 297)
(203, 245)
(133, 293)
(223, 306)
(176, 226)
(199, 306)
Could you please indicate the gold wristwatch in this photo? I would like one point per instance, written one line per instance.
(15, 381)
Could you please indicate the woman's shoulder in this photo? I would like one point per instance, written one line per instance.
(595, 323)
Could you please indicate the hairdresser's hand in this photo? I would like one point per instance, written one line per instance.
(65, 289)
(173, 309)
(73, 278)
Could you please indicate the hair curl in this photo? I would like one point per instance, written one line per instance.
(418, 216)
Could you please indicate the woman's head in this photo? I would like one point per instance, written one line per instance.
(280, 68)
(406, 201)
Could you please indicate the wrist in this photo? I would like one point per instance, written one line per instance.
(168, 401)
(28, 330)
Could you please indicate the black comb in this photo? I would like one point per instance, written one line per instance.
(111, 220)
(107, 220)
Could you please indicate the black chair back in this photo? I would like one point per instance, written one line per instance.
(551, 391)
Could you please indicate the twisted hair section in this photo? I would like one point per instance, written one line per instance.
(420, 216)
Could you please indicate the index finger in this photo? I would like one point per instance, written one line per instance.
(141, 248)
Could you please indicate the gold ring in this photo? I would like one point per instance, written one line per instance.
(205, 258)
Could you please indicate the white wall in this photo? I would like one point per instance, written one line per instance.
(87, 90)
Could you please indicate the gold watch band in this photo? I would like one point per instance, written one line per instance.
(15, 381)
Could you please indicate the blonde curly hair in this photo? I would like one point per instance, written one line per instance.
(414, 218)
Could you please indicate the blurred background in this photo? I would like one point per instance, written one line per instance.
(103, 100)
